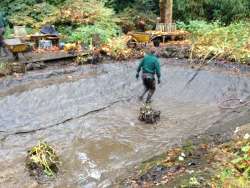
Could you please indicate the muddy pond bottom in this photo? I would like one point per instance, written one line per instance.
(93, 121)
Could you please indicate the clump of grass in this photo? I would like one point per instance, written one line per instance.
(42, 160)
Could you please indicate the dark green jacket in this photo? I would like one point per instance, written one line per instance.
(150, 64)
(2, 20)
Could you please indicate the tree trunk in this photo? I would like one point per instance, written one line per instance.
(166, 11)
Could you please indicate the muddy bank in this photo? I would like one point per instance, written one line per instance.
(206, 160)
(46, 60)
(89, 114)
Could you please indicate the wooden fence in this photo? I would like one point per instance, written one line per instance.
(166, 27)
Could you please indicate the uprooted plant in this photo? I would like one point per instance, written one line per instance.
(42, 160)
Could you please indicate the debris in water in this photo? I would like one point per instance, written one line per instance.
(42, 160)
(148, 114)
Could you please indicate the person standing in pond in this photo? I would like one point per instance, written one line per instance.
(150, 66)
(2, 31)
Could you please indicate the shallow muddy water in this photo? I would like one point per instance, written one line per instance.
(89, 114)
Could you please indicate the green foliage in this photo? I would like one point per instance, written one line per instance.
(210, 10)
(141, 5)
(8, 32)
(198, 27)
(226, 173)
(237, 172)
(130, 18)
(35, 13)
(242, 159)
(226, 11)
(85, 33)
(119, 5)
(78, 19)
(86, 12)
(84, 18)
(32, 14)
(131, 12)
(217, 41)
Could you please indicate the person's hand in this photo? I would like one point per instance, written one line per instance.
(137, 76)
(159, 81)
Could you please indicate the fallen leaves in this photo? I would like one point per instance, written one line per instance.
(222, 165)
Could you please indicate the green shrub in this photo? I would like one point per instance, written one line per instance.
(226, 11)
(85, 33)
(35, 15)
(226, 42)
(198, 27)
(89, 17)
(8, 32)
(76, 20)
